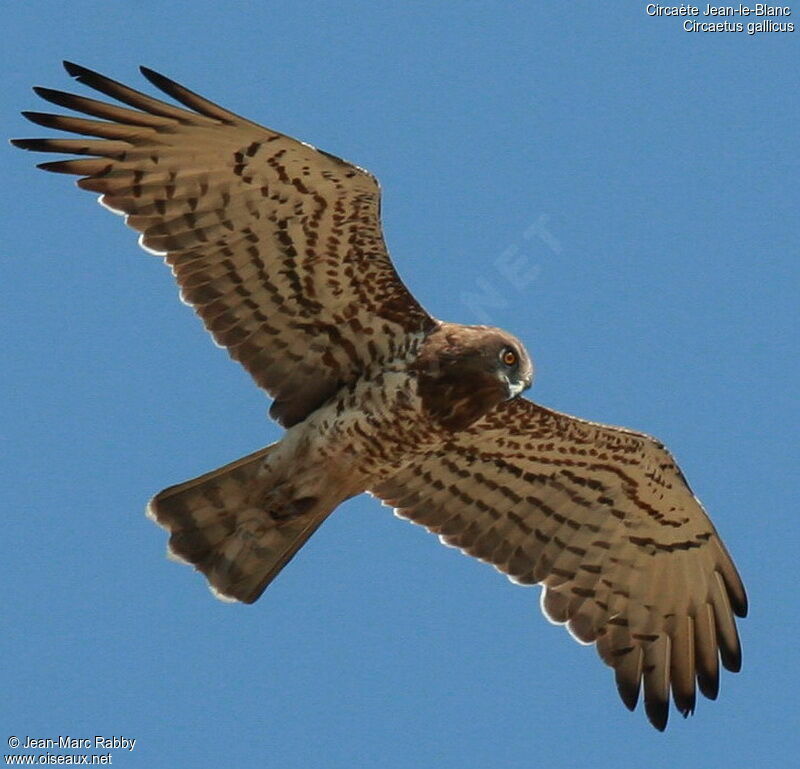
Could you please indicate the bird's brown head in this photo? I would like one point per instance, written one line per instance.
(465, 371)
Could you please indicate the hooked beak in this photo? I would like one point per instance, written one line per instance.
(516, 388)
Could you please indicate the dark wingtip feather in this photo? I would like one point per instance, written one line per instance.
(169, 86)
(157, 79)
(55, 166)
(739, 603)
(628, 693)
(45, 119)
(84, 74)
(708, 684)
(61, 98)
(37, 145)
(657, 713)
(684, 703)
(731, 659)
(75, 70)
(72, 166)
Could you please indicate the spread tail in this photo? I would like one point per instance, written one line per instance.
(225, 526)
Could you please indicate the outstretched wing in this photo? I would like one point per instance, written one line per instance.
(277, 245)
(604, 519)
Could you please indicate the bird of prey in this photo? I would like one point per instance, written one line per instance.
(278, 247)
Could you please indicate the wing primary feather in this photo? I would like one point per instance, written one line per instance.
(101, 109)
(191, 99)
(628, 676)
(729, 646)
(105, 148)
(733, 582)
(91, 166)
(706, 652)
(81, 125)
(656, 681)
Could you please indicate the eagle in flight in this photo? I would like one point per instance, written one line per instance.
(278, 247)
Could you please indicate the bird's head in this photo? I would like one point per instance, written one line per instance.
(465, 371)
(513, 366)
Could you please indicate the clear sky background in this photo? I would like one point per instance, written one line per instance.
(661, 166)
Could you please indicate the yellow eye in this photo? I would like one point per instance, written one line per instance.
(509, 357)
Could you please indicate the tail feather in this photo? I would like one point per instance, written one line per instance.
(217, 524)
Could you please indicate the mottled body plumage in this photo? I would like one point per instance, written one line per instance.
(278, 247)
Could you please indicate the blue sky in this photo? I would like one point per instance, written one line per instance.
(643, 180)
